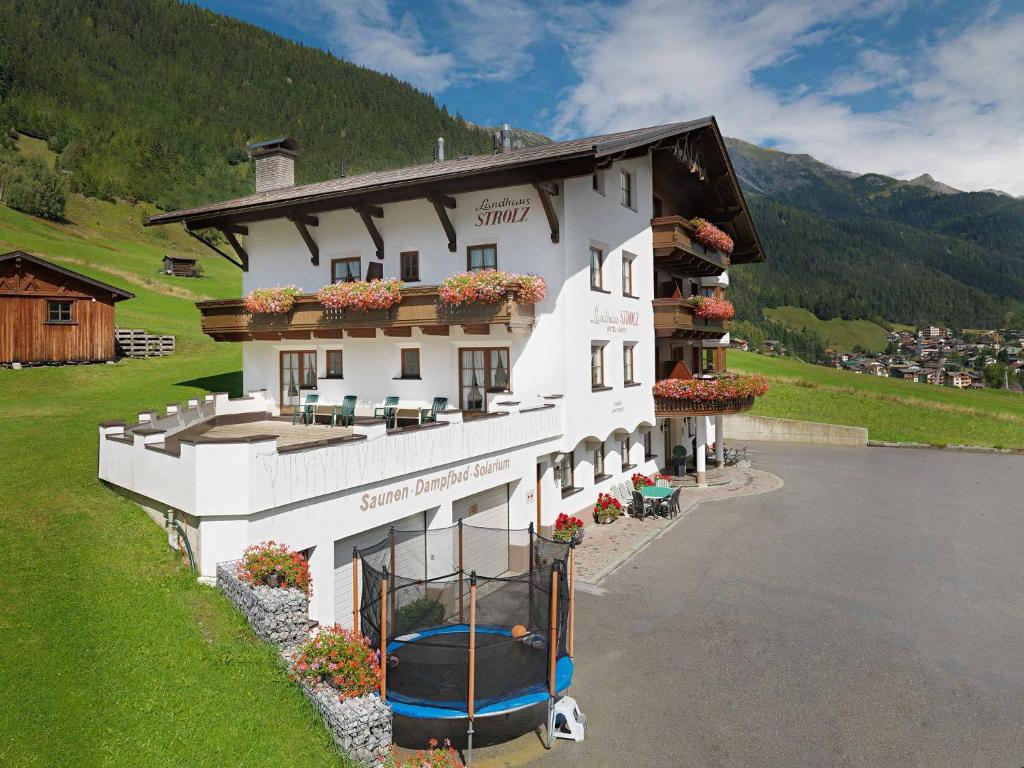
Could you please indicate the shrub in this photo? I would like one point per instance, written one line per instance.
(489, 286)
(421, 612)
(711, 236)
(261, 561)
(31, 187)
(712, 308)
(723, 387)
(271, 301)
(361, 296)
(568, 528)
(607, 507)
(342, 659)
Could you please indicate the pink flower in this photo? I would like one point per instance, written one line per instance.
(711, 236)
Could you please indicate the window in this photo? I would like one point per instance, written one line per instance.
(298, 371)
(58, 312)
(410, 266)
(410, 364)
(482, 371)
(626, 188)
(566, 472)
(599, 462)
(481, 257)
(648, 448)
(596, 268)
(708, 353)
(345, 270)
(627, 363)
(627, 274)
(596, 366)
(624, 449)
(598, 182)
(334, 367)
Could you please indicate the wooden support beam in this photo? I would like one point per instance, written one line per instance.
(368, 213)
(435, 330)
(243, 257)
(244, 266)
(402, 330)
(235, 229)
(361, 333)
(544, 191)
(441, 205)
(476, 330)
(302, 224)
(305, 218)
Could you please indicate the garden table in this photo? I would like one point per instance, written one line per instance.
(655, 492)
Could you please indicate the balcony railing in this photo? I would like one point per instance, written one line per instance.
(228, 320)
(676, 318)
(676, 407)
(677, 251)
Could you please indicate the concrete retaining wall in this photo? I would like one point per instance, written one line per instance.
(741, 427)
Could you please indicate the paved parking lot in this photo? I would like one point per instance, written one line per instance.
(869, 613)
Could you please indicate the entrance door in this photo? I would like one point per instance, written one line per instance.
(486, 552)
(298, 371)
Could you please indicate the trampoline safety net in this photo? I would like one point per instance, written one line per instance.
(422, 583)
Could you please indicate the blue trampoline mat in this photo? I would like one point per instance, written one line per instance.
(420, 708)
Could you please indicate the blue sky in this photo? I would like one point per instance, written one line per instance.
(890, 86)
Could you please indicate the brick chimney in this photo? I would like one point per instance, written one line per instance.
(275, 163)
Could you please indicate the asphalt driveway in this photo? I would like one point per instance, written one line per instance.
(869, 613)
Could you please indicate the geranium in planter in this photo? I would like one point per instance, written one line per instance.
(340, 658)
(435, 756)
(568, 528)
(271, 301)
(361, 296)
(607, 508)
(275, 565)
(712, 308)
(640, 480)
(711, 236)
(722, 388)
(490, 286)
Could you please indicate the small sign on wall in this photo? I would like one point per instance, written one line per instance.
(531, 496)
(507, 210)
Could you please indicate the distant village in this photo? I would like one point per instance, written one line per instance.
(934, 355)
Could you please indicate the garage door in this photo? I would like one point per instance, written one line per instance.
(410, 558)
(486, 552)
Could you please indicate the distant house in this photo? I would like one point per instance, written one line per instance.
(741, 344)
(50, 314)
(874, 368)
(773, 347)
(181, 267)
(957, 379)
(931, 376)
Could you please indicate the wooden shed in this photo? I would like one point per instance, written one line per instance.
(49, 313)
(180, 267)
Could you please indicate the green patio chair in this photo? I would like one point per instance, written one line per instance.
(307, 411)
(344, 413)
(388, 411)
(428, 415)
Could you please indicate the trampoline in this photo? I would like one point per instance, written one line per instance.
(470, 621)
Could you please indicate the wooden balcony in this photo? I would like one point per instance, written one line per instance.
(676, 318)
(669, 407)
(228, 320)
(677, 252)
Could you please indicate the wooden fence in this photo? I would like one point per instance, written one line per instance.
(132, 342)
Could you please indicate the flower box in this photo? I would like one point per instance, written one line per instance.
(710, 236)
(569, 529)
(490, 286)
(276, 566)
(607, 509)
(271, 301)
(361, 296)
(712, 308)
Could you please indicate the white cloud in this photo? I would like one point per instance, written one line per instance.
(493, 38)
(958, 110)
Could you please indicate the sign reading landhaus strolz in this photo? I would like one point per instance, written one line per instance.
(616, 322)
(507, 210)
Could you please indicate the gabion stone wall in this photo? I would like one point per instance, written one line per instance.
(278, 615)
(361, 726)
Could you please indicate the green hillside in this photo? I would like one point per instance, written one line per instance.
(871, 247)
(844, 335)
(891, 409)
(156, 100)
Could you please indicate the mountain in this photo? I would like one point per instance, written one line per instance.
(871, 246)
(156, 100)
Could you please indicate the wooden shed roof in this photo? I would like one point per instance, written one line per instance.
(119, 294)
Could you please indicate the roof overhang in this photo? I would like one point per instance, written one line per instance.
(117, 293)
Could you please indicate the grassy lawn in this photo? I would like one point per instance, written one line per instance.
(891, 409)
(842, 334)
(110, 652)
